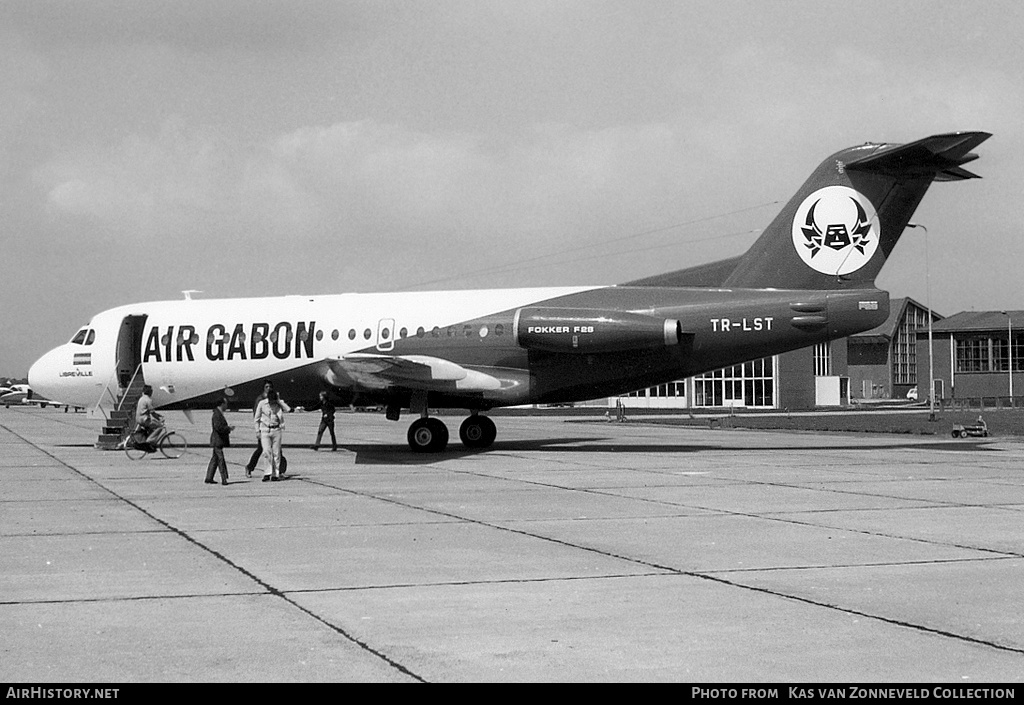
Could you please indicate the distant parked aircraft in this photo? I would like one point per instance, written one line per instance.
(23, 394)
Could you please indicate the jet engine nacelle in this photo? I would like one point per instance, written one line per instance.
(564, 330)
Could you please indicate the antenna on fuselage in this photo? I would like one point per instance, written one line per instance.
(188, 293)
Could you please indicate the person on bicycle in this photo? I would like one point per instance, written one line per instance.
(146, 416)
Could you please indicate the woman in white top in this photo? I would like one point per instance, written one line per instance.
(270, 425)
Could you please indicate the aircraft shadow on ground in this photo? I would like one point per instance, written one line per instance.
(402, 455)
(395, 454)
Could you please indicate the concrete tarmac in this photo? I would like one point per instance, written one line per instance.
(573, 550)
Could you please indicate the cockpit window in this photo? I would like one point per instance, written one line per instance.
(86, 336)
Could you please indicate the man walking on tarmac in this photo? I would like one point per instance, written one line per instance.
(326, 422)
(258, 453)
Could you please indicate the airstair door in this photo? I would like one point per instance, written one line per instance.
(129, 348)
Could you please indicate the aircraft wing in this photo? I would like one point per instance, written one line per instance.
(424, 372)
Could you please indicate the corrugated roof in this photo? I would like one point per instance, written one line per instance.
(980, 321)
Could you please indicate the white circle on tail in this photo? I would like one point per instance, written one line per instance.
(835, 230)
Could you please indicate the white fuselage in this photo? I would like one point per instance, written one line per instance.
(188, 348)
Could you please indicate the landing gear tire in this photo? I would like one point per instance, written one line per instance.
(428, 435)
(477, 432)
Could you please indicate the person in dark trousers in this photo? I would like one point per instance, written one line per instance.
(258, 453)
(219, 440)
(326, 422)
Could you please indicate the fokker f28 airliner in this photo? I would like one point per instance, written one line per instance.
(808, 278)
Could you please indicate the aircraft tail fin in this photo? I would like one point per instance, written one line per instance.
(840, 227)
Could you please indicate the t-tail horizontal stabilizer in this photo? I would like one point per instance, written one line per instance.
(840, 227)
(940, 156)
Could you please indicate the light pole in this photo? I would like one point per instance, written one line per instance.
(928, 295)
(1009, 351)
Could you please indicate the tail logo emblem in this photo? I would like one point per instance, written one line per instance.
(835, 230)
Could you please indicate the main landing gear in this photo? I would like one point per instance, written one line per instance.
(430, 435)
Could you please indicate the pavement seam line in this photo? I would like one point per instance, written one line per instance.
(259, 581)
(702, 576)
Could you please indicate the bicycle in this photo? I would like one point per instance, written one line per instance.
(172, 445)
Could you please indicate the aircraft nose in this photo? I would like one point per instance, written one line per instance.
(43, 376)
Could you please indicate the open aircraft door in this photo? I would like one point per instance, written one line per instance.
(386, 334)
(129, 348)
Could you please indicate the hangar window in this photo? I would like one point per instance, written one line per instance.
(670, 395)
(904, 345)
(987, 354)
(823, 359)
(972, 354)
(999, 356)
(751, 384)
(672, 389)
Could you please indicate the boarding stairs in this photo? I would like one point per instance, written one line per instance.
(122, 417)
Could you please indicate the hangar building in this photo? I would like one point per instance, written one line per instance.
(879, 363)
(971, 355)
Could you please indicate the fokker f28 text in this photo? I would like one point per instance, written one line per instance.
(808, 278)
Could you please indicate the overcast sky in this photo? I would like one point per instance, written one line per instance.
(304, 147)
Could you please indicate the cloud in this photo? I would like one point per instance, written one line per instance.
(141, 187)
(197, 25)
(387, 177)
(365, 180)
(24, 71)
(442, 195)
